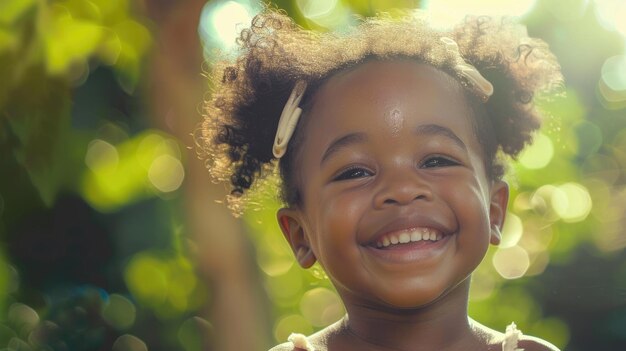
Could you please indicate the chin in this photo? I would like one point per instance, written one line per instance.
(417, 297)
(411, 301)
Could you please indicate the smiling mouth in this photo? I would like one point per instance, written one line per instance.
(407, 236)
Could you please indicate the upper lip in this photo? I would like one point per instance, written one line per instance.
(413, 221)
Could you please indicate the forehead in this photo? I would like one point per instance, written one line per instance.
(387, 95)
(375, 77)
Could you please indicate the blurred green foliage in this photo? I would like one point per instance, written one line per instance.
(68, 127)
(91, 253)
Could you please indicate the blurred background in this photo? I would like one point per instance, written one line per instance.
(112, 236)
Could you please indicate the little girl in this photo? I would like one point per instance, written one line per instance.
(387, 140)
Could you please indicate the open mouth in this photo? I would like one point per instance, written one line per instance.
(414, 235)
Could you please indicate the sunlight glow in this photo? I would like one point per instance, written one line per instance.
(567, 10)
(611, 14)
(221, 23)
(326, 13)
(445, 13)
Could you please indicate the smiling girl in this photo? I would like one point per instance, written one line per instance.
(387, 140)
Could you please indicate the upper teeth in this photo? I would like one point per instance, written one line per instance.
(410, 235)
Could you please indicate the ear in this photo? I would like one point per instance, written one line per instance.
(291, 226)
(497, 209)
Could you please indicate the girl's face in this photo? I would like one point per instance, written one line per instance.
(390, 156)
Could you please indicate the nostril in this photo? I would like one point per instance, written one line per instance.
(395, 201)
(401, 191)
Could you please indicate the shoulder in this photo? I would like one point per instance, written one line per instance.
(513, 339)
(531, 343)
(316, 342)
(297, 342)
(287, 346)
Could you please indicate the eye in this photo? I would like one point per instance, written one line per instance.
(353, 173)
(438, 161)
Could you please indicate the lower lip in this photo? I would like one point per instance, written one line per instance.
(418, 251)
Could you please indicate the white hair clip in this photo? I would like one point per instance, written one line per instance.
(288, 119)
(468, 71)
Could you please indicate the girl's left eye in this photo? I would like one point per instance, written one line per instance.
(438, 161)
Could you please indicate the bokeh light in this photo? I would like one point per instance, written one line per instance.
(541, 201)
(129, 171)
(101, 157)
(23, 318)
(321, 307)
(166, 173)
(294, 323)
(539, 154)
(612, 84)
(572, 202)
(193, 332)
(273, 260)
(329, 14)
(129, 342)
(286, 287)
(119, 312)
(512, 262)
(611, 14)
(614, 73)
(221, 23)
(163, 282)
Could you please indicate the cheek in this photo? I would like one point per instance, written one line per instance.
(469, 202)
(472, 211)
(336, 228)
(340, 216)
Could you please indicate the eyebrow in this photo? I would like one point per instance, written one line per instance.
(343, 142)
(435, 129)
(356, 138)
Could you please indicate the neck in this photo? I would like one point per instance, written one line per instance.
(442, 325)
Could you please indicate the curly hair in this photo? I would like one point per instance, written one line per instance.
(250, 92)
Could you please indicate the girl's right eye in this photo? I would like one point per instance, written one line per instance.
(353, 173)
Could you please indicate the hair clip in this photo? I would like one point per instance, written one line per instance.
(288, 119)
(468, 71)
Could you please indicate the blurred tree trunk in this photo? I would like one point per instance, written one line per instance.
(176, 89)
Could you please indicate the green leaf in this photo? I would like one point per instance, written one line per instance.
(68, 40)
(39, 114)
(8, 40)
(11, 10)
(135, 40)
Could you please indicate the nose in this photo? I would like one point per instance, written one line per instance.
(401, 187)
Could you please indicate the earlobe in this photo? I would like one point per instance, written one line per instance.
(497, 210)
(495, 236)
(294, 232)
